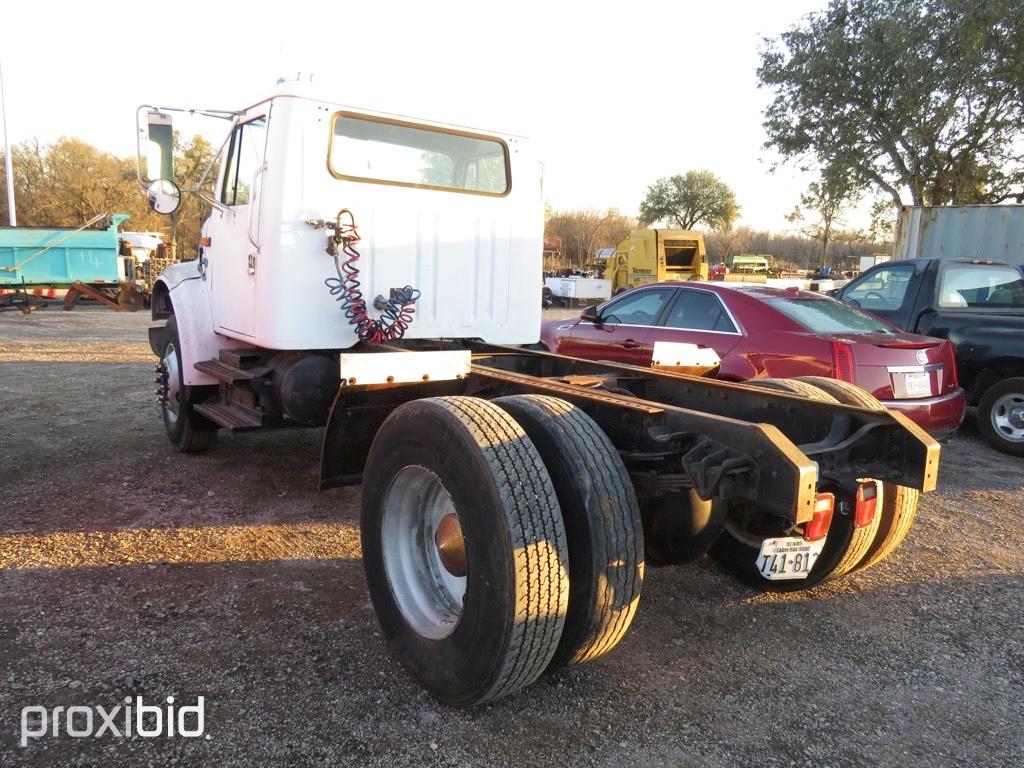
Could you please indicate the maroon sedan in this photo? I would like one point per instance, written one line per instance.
(763, 332)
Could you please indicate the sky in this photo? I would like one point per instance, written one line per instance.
(616, 95)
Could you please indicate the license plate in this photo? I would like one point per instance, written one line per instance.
(789, 557)
(917, 384)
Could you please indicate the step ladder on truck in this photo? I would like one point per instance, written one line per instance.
(375, 276)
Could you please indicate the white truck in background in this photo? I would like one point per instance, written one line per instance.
(358, 271)
(985, 232)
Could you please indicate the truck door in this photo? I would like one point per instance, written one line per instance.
(235, 231)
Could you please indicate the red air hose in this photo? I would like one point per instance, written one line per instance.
(397, 312)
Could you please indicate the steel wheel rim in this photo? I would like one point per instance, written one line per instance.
(421, 542)
(172, 383)
(1008, 416)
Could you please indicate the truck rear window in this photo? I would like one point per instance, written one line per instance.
(981, 285)
(393, 152)
(826, 316)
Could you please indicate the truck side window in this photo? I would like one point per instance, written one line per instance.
(245, 157)
(882, 289)
(638, 308)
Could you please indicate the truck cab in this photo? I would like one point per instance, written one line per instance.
(451, 212)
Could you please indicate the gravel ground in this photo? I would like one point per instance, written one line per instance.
(129, 570)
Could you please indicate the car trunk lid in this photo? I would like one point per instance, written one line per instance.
(895, 366)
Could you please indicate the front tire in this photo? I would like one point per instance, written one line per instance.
(1001, 415)
(464, 549)
(186, 429)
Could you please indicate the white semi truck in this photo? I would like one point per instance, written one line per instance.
(375, 276)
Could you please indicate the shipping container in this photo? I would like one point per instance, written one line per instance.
(993, 232)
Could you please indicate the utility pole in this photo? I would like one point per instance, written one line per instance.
(12, 216)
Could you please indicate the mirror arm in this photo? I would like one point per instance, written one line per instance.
(212, 202)
(202, 179)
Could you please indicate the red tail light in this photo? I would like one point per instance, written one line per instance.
(842, 361)
(818, 526)
(866, 504)
(954, 377)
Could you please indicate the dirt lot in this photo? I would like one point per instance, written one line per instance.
(129, 570)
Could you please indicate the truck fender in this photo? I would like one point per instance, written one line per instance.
(188, 299)
(355, 418)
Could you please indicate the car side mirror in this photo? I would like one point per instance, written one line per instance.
(590, 315)
(834, 293)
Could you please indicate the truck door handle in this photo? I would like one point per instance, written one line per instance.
(630, 344)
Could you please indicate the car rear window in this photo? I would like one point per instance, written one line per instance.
(981, 285)
(827, 316)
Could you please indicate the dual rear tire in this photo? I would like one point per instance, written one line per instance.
(847, 547)
(500, 539)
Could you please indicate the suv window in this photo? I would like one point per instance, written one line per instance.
(699, 311)
(883, 289)
(245, 157)
(981, 285)
(637, 307)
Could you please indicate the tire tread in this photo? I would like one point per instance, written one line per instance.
(610, 610)
(542, 588)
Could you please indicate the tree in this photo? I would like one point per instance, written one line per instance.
(883, 221)
(724, 243)
(190, 162)
(818, 214)
(584, 232)
(696, 197)
(910, 96)
(68, 182)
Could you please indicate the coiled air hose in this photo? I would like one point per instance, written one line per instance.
(396, 312)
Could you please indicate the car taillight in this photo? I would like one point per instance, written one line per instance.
(954, 376)
(817, 527)
(842, 361)
(866, 504)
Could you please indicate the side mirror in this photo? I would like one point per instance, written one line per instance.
(154, 145)
(590, 315)
(163, 196)
(834, 293)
